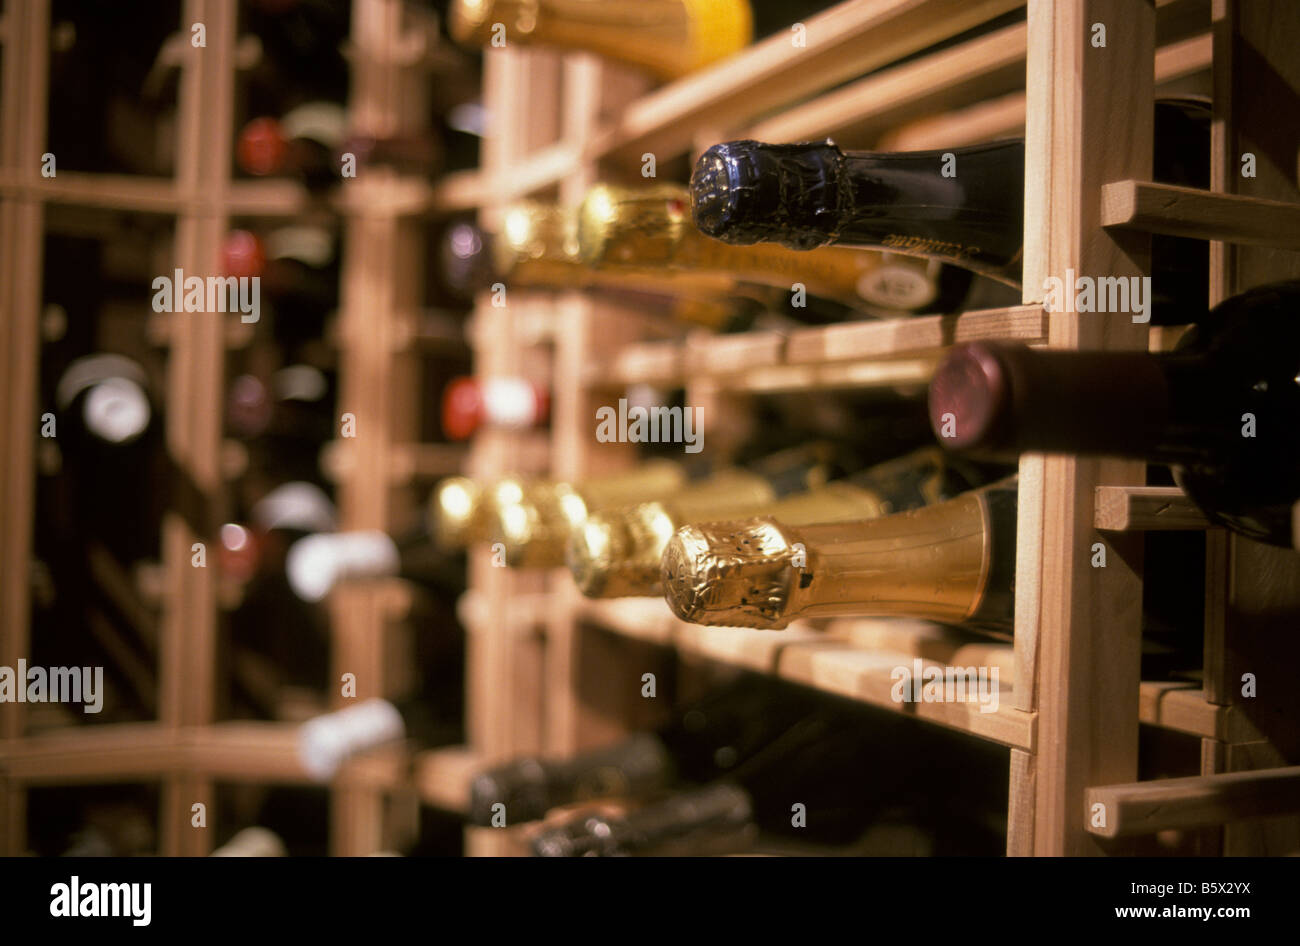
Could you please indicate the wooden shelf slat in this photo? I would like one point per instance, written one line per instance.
(848, 40)
(834, 661)
(409, 461)
(1194, 802)
(890, 338)
(442, 776)
(1004, 116)
(160, 195)
(460, 190)
(1189, 212)
(1183, 707)
(847, 354)
(241, 750)
(987, 65)
(1146, 509)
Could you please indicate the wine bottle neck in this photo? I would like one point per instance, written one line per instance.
(1004, 400)
(939, 563)
(965, 204)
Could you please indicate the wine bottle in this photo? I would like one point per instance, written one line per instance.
(812, 195)
(1222, 410)
(533, 518)
(703, 741)
(649, 229)
(510, 403)
(952, 562)
(459, 512)
(819, 779)
(312, 141)
(715, 819)
(536, 249)
(618, 552)
(109, 435)
(317, 562)
(668, 38)
(298, 268)
(326, 742)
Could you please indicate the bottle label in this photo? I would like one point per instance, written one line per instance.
(897, 287)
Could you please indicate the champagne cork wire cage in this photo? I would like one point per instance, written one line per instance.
(539, 678)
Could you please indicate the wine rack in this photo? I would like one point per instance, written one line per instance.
(542, 665)
(185, 751)
(550, 671)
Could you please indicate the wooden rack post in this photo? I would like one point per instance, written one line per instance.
(22, 141)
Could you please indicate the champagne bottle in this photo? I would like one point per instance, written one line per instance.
(536, 249)
(459, 512)
(668, 38)
(649, 229)
(953, 562)
(533, 518)
(469, 404)
(811, 195)
(618, 552)
(1222, 410)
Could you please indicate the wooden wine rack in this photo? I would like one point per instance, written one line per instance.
(377, 471)
(549, 670)
(542, 667)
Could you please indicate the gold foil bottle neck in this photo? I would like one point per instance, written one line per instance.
(632, 226)
(535, 527)
(728, 574)
(457, 512)
(537, 519)
(538, 245)
(617, 553)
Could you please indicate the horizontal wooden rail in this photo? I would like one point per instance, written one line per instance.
(1189, 212)
(443, 776)
(1004, 116)
(1196, 802)
(987, 65)
(230, 751)
(849, 354)
(1146, 509)
(840, 660)
(846, 41)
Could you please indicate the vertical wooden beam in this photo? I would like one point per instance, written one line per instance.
(383, 263)
(505, 704)
(195, 382)
(22, 141)
(1091, 130)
